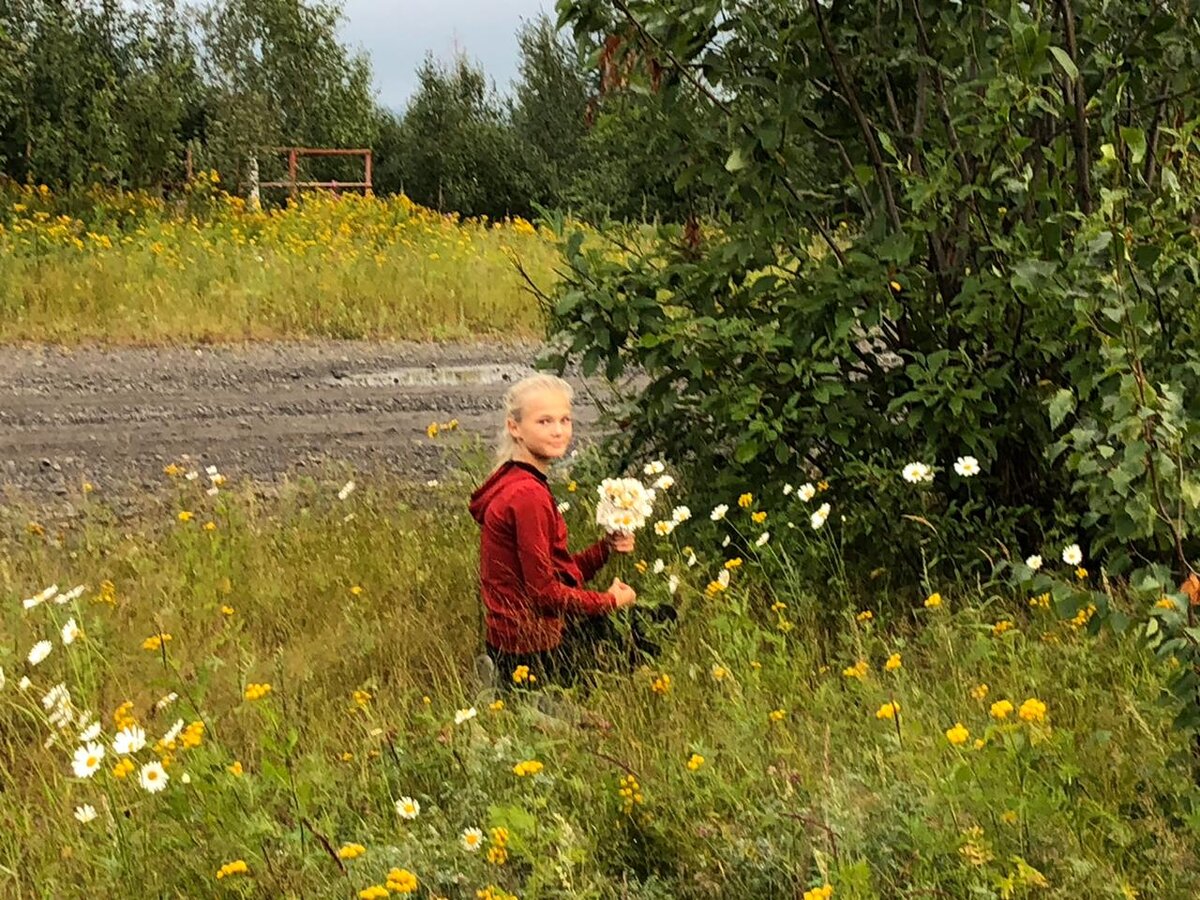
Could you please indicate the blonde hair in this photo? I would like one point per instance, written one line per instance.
(514, 408)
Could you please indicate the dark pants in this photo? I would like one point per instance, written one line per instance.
(548, 667)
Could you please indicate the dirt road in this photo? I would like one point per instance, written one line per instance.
(116, 417)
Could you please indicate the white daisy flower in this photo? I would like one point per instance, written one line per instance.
(73, 594)
(56, 696)
(723, 578)
(718, 512)
(917, 472)
(680, 514)
(153, 777)
(691, 560)
(1034, 562)
(472, 839)
(432, 483)
(85, 813)
(819, 517)
(166, 700)
(39, 652)
(347, 490)
(173, 733)
(24, 684)
(672, 584)
(806, 492)
(129, 740)
(787, 490)
(90, 732)
(192, 475)
(2, 681)
(665, 483)
(36, 599)
(1072, 555)
(658, 567)
(725, 542)
(663, 528)
(211, 471)
(408, 808)
(564, 506)
(762, 539)
(464, 715)
(185, 778)
(70, 631)
(966, 466)
(87, 760)
(213, 491)
(655, 468)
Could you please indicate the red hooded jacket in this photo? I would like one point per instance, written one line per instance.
(528, 579)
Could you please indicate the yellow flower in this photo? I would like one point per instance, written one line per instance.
(695, 762)
(865, 616)
(858, 670)
(758, 518)
(979, 692)
(661, 684)
(257, 691)
(528, 767)
(1001, 709)
(521, 674)
(745, 501)
(35, 528)
(192, 735)
(236, 769)
(374, 892)
(895, 286)
(893, 662)
(226, 610)
(497, 856)
(980, 743)
(755, 664)
(572, 487)
(155, 641)
(210, 526)
(185, 516)
(734, 563)
(361, 698)
(641, 565)
(347, 756)
(776, 715)
(496, 705)
(1165, 603)
(1009, 817)
(356, 590)
(1041, 601)
(432, 430)
(123, 768)
(888, 710)
(1000, 627)
(1033, 710)
(1081, 573)
(933, 601)
(719, 672)
(351, 851)
(957, 735)
(824, 892)
(237, 867)
(402, 881)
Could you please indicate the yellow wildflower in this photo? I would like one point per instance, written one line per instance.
(858, 670)
(528, 767)
(695, 762)
(933, 601)
(351, 851)
(865, 616)
(257, 691)
(745, 501)
(734, 563)
(1032, 710)
(719, 672)
(893, 663)
(185, 516)
(824, 892)
(957, 735)
(758, 518)
(979, 692)
(776, 715)
(236, 769)
(155, 641)
(1001, 709)
(402, 881)
(237, 867)
(888, 710)
(1002, 626)
(661, 684)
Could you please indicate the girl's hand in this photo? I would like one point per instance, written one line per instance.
(621, 542)
(624, 594)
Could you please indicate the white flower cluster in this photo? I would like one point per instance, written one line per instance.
(625, 504)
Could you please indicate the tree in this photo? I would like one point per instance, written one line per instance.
(942, 217)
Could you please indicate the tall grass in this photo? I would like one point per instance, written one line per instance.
(131, 268)
(761, 766)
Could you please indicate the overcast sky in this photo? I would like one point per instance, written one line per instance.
(397, 34)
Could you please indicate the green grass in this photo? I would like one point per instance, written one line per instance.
(1097, 801)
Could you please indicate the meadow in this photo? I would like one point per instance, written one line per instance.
(131, 268)
(240, 695)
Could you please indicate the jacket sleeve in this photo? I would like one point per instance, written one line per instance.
(532, 520)
(592, 560)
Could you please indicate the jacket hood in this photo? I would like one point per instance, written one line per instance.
(499, 482)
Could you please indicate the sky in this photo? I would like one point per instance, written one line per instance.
(396, 35)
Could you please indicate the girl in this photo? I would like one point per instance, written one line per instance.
(529, 581)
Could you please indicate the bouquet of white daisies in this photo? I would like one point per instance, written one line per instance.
(625, 505)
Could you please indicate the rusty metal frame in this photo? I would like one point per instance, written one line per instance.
(294, 154)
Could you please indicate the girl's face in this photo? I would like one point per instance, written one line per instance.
(545, 426)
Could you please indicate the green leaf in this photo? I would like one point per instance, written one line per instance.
(736, 161)
(1061, 406)
(1135, 139)
(1065, 61)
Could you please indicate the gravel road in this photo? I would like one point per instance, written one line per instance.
(115, 417)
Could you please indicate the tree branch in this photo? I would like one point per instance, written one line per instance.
(1076, 94)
